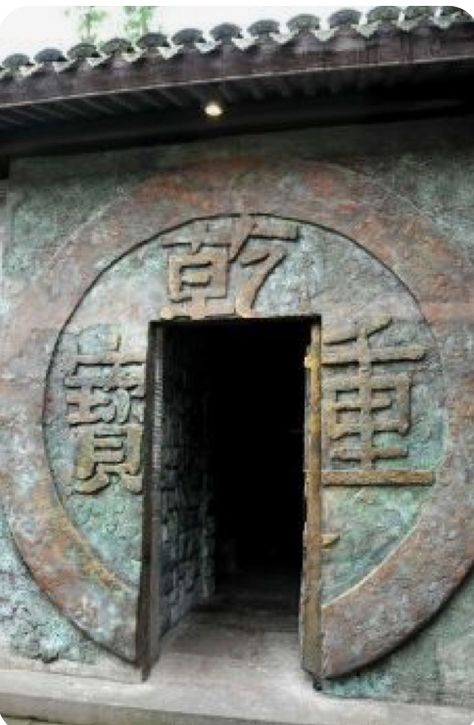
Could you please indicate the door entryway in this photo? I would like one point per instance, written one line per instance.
(230, 438)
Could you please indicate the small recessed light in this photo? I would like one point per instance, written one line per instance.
(213, 109)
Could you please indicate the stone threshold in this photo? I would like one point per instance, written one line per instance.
(70, 700)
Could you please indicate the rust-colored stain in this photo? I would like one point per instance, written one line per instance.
(313, 537)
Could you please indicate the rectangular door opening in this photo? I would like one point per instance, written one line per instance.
(227, 475)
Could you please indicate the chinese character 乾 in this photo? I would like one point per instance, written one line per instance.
(199, 279)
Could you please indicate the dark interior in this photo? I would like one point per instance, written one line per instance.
(255, 401)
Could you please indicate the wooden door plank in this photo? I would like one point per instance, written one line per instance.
(310, 600)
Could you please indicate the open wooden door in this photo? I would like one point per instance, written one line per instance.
(310, 612)
(176, 513)
(149, 634)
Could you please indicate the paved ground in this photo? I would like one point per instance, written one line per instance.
(227, 663)
(14, 721)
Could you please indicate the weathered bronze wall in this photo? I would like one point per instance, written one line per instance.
(371, 228)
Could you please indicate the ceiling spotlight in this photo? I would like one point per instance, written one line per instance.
(213, 109)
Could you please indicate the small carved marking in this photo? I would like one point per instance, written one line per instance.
(86, 613)
(329, 539)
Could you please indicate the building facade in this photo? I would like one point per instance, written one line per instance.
(173, 286)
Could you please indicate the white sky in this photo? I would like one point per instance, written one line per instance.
(28, 29)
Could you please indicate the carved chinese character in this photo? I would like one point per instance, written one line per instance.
(107, 451)
(105, 407)
(361, 403)
(199, 279)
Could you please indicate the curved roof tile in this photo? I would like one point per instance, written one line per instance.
(304, 60)
(443, 17)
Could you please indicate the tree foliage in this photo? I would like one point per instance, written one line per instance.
(137, 20)
(88, 19)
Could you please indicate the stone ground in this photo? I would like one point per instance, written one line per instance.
(228, 662)
(15, 721)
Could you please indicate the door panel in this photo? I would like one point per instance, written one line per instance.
(310, 619)
(177, 495)
(149, 622)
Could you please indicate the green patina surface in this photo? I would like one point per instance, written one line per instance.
(433, 167)
(30, 625)
(52, 199)
(434, 666)
(111, 520)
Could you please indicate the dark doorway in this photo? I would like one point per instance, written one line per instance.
(227, 449)
(256, 421)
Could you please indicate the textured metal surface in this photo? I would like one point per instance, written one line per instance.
(415, 580)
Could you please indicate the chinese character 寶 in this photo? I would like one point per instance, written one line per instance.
(105, 393)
